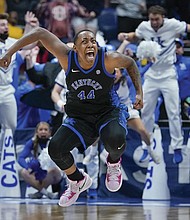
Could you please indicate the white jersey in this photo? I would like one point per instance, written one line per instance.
(6, 74)
(123, 93)
(61, 81)
(165, 37)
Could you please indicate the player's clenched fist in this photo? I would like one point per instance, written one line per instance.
(5, 60)
(138, 102)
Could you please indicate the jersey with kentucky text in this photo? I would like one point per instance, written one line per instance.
(7, 73)
(165, 37)
(89, 91)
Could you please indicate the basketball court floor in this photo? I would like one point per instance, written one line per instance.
(94, 209)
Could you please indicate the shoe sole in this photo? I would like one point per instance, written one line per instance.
(85, 187)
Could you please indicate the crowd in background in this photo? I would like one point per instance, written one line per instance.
(66, 17)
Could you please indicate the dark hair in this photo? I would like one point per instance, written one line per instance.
(4, 16)
(157, 9)
(77, 34)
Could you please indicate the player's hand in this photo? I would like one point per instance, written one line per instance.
(60, 106)
(138, 102)
(5, 61)
(122, 36)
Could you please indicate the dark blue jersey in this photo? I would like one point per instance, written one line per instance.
(90, 91)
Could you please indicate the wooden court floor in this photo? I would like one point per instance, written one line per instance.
(45, 209)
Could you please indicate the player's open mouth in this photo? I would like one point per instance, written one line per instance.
(90, 55)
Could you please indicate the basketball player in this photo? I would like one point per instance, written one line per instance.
(161, 77)
(91, 159)
(92, 105)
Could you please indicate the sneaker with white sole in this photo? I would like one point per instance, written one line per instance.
(114, 179)
(70, 196)
(153, 154)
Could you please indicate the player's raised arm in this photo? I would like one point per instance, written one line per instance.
(117, 60)
(49, 41)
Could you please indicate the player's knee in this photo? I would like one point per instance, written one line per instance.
(114, 137)
(115, 142)
(54, 148)
(116, 150)
(115, 145)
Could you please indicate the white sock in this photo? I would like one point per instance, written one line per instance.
(93, 149)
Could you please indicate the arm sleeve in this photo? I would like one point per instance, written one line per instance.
(36, 77)
(25, 153)
(139, 32)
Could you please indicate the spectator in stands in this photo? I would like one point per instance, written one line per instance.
(56, 16)
(3, 6)
(21, 7)
(178, 9)
(8, 108)
(182, 65)
(58, 96)
(134, 121)
(27, 116)
(38, 170)
(150, 3)
(183, 69)
(40, 96)
(15, 31)
(161, 77)
(126, 92)
(130, 14)
(87, 17)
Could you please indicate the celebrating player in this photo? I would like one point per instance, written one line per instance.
(92, 105)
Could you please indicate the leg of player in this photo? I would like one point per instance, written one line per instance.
(113, 136)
